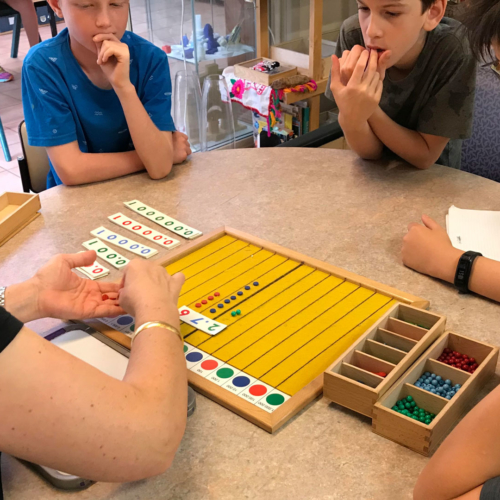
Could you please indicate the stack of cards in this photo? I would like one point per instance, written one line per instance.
(163, 220)
(95, 271)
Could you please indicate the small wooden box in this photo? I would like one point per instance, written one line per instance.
(391, 345)
(17, 210)
(244, 70)
(416, 435)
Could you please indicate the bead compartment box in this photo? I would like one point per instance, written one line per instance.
(17, 210)
(391, 345)
(418, 436)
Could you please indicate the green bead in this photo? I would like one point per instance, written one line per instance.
(413, 404)
(409, 399)
(238, 312)
(395, 408)
(431, 415)
(233, 314)
(408, 406)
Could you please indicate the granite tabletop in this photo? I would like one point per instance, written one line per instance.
(327, 204)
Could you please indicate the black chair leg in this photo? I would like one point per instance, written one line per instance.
(16, 34)
(52, 20)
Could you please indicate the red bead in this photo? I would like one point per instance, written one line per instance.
(474, 366)
(472, 360)
(210, 297)
(447, 350)
(381, 374)
(198, 305)
(217, 294)
(204, 301)
(105, 297)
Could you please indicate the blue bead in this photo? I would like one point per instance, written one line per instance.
(448, 396)
(434, 382)
(427, 374)
(240, 293)
(457, 386)
(255, 283)
(233, 297)
(221, 305)
(433, 391)
(446, 387)
(213, 310)
(438, 378)
(417, 384)
(447, 381)
(433, 375)
(247, 288)
(227, 301)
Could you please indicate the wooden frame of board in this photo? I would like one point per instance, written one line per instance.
(268, 421)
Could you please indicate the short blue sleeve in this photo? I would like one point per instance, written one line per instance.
(156, 92)
(49, 120)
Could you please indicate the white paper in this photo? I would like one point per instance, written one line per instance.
(476, 230)
(94, 352)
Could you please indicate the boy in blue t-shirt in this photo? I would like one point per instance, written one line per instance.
(99, 98)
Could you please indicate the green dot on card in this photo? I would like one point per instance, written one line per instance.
(225, 373)
(275, 399)
(185, 348)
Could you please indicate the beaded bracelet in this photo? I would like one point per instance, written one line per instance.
(156, 324)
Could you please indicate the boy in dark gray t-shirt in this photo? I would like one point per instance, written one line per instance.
(404, 78)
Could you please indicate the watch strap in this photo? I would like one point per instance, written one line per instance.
(464, 270)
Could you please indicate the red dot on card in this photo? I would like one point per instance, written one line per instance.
(105, 297)
(203, 301)
(209, 364)
(257, 390)
(198, 305)
(217, 294)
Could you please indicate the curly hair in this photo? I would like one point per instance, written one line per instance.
(482, 21)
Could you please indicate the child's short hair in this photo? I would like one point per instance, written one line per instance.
(482, 19)
(427, 4)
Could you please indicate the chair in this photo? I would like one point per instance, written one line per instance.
(481, 153)
(34, 164)
(317, 138)
(3, 142)
(5, 11)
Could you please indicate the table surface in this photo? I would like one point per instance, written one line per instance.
(327, 204)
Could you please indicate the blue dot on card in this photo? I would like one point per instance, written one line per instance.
(125, 320)
(193, 357)
(241, 381)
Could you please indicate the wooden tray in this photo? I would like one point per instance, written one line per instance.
(416, 435)
(244, 70)
(281, 315)
(391, 345)
(17, 210)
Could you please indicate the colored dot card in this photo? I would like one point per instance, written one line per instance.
(272, 401)
(163, 220)
(124, 323)
(142, 230)
(94, 272)
(105, 253)
(239, 383)
(255, 391)
(187, 347)
(194, 357)
(223, 374)
(205, 367)
(200, 321)
(123, 242)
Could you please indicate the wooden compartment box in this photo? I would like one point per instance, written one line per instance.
(419, 436)
(390, 346)
(244, 70)
(17, 210)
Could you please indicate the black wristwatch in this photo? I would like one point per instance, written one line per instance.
(464, 269)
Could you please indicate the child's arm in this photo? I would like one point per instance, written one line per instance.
(428, 250)
(357, 100)
(421, 150)
(468, 457)
(154, 147)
